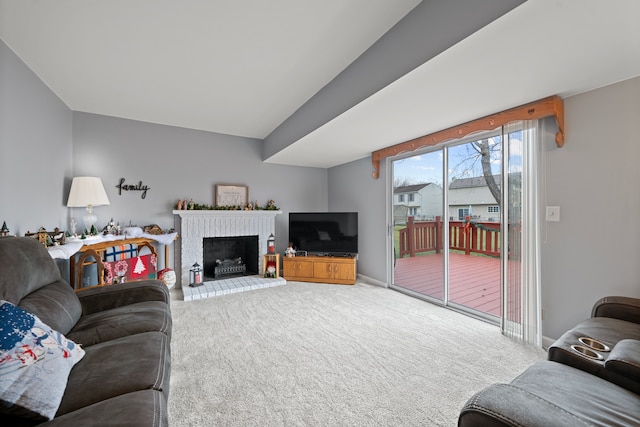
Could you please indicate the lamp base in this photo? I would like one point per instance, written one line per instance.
(90, 219)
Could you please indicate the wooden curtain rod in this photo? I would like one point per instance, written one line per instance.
(551, 106)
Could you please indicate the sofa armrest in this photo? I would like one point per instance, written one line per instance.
(623, 308)
(625, 359)
(508, 405)
(100, 298)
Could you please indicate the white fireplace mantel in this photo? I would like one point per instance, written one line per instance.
(194, 225)
(230, 213)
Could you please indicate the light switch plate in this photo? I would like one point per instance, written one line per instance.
(553, 213)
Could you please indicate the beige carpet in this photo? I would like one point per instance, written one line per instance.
(306, 354)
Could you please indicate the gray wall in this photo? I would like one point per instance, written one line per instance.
(351, 188)
(35, 149)
(594, 250)
(43, 144)
(178, 163)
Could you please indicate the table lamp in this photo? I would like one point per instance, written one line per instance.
(87, 191)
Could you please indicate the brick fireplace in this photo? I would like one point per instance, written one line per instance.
(194, 226)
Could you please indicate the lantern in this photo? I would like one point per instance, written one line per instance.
(195, 275)
(271, 244)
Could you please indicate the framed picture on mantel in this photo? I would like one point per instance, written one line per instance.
(231, 195)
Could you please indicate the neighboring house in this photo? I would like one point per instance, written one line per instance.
(422, 201)
(467, 197)
(471, 197)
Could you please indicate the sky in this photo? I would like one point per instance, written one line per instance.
(428, 167)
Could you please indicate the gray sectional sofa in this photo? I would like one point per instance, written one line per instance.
(591, 377)
(99, 356)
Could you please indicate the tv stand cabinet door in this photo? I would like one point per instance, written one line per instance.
(298, 269)
(335, 270)
(345, 272)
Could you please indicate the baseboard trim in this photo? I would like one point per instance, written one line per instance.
(372, 281)
(546, 342)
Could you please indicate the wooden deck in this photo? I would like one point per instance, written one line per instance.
(474, 281)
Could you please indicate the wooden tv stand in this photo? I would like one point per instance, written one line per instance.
(320, 269)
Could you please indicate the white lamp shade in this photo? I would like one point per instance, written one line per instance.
(87, 191)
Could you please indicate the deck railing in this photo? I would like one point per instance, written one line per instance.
(468, 236)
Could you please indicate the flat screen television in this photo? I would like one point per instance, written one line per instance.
(324, 233)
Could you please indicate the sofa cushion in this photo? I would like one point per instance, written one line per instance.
(116, 367)
(35, 361)
(56, 304)
(122, 321)
(26, 266)
(140, 408)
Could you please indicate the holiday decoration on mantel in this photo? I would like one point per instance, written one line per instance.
(183, 205)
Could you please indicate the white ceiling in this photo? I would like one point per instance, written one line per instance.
(243, 67)
(237, 67)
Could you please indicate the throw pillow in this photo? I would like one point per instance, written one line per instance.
(35, 362)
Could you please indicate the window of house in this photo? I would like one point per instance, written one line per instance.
(400, 198)
(463, 213)
(493, 209)
(411, 197)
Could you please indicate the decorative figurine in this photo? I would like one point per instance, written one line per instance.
(73, 224)
(4, 231)
(271, 244)
(290, 252)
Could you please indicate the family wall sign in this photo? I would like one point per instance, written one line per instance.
(122, 186)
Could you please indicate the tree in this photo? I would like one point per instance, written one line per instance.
(482, 151)
(400, 181)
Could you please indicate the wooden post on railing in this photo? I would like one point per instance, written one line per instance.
(411, 237)
(438, 234)
(467, 235)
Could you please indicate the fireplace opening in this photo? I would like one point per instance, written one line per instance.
(226, 257)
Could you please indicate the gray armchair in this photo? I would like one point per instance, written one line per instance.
(592, 377)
